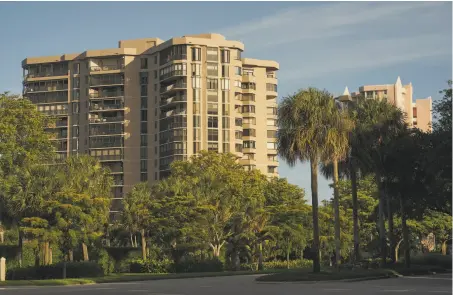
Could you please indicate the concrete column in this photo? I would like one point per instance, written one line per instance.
(2, 269)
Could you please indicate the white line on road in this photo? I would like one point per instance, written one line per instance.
(334, 290)
(428, 278)
(396, 290)
(448, 292)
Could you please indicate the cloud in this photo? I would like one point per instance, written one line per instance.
(314, 40)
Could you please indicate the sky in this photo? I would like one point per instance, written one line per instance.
(327, 45)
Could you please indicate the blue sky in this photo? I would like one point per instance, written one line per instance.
(322, 44)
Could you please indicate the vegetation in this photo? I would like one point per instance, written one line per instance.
(392, 188)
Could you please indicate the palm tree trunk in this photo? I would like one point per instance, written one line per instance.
(142, 232)
(444, 248)
(260, 256)
(314, 201)
(382, 237)
(407, 248)
(21, 246)
(132, 241)
(336, 205)
(288, 249)
(71, 255)
(85, 252)
(390, 229)
(355, 211)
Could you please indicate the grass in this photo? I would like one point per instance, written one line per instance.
(131, 277)
(327, 275)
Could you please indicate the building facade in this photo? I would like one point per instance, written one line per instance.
(148, 102)
(418, 112)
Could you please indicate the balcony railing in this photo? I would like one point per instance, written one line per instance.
(106, 68)
(173, 113)
(100, 132)
(173, 74)
(173, 99)
(106, 119)
(170, 58)
(45, 88)
(107, 94)
(106, 81)
(54, 112)
(106, 107)
(178, 85)
(48, 74)
(109, 157)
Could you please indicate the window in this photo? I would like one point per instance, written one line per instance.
(213, 146)
(272, 145)
(271, 134)
(143, 140)
(196, 70)
(143, 166)
(196, 54)
(143, 77)
(213, 97)
(213, 122)
(271, 87)
(225, 56)
(196, 134)
(144, 127)
(414, 113)
(237, 83)
(249, 156)
(249, 144)
(249, 120)
(196, 107)
(248, 72)
(226, 135)
(76, 81)
(77, 68)
(143, 153)
(212, 54)
(143, 177)
(249, 132)
(155, 59)
(196, 82)
(196, 121)
(238, 71)
(155, 74)
(248, 97)
(213, 108)
(271, 122)
(270, 169)
(271, 158)
(238, 122)
(238, 148)
(238, 134)
(250, 85)
(225, 84)
(213, 135)
(196, 95)
(226, 122)
(144, 115)
(212, 69)
(76, 95)
(143, 90)
(196, 147)
(248, 109)
(225, 71)
(225, 97)
(143, 102)
(143, 63)
(271, 111)
(226, 109)
(226, 147)
(212, 84)
(237, 54)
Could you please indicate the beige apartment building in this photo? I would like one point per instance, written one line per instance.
(418, 113)
(140, 106)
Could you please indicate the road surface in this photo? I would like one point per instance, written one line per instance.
(246, 285)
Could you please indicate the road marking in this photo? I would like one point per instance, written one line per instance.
(334, 290)
(405, 290)
(428, 278)
(448, 292)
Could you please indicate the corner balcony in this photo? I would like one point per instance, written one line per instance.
(56, 113)
(173, 100)
(106, 95)
(248, 78)
(173, 113)
(173, 75)
(106, 107)
(106, 81)
(106, 69)
(165, 90)
(101, 120)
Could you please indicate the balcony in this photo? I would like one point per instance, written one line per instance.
(247, 161)
(59, 124)
(248, 78)
(173, 113)
(97, 130)
(114, 167)
(173, 100)
(105, 120)
(44, 74)
(54, 112)
(248, 90)
(173, 75)
(100, 69)
(249, 150)
(106, 142)
(32, 89)
(170, 88)
(272, 151)
(103, 95)
(106, 107)
(107, 158)
(106, 81)
(48, 98)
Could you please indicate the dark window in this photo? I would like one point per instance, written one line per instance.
(143, 102)
(225, 56)
(143, 63)
(144, 127)
(213, 122)
(144, 115)
(196, 54)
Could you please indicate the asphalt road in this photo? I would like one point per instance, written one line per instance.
(245, 285)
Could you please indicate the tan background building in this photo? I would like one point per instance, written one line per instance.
(418, 113)
(147, 103)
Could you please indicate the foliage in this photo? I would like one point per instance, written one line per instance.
(433, 259)
(278, 264)
(55, 271)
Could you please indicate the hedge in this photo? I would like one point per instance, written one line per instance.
(278, 264)
(55, 271)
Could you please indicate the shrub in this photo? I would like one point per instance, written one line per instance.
(278, 264)
(55, 271)
(105, 262)
(150, 266)
(197, 265)
(434, 259)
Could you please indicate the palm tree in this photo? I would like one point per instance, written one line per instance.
(304, 121)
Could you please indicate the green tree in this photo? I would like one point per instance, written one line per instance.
(440, 224)
(303, 135)
(136, 214)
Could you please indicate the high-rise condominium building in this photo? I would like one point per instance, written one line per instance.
(147, 103)
(418, 113)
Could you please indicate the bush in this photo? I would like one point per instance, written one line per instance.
(55, 271)
(299, 263)
(434, 259)
(197, 265)
(150, 266)
(105, 262)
